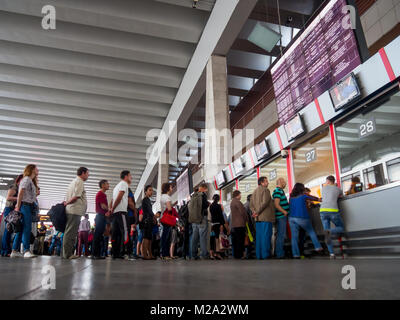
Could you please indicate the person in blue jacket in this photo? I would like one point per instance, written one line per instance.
(299, 218)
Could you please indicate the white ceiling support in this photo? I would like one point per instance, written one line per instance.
(222, 28)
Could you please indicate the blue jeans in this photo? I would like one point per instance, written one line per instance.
(263, 240)
(165, 242)
(25, 234)
(337, 220)
(200, 233)
(6, 241)
(280, 237)
(305, 224)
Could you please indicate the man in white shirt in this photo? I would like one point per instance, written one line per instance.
(75, 208)
(119, 209)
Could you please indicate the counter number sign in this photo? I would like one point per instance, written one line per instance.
(311, 156)
(367, 128)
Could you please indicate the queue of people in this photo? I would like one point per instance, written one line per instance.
(197, 230)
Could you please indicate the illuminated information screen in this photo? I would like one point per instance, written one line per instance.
(322, 55)
(183, 186)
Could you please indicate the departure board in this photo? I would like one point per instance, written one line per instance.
(320, 57)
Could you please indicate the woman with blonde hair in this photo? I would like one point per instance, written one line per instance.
(25, 202)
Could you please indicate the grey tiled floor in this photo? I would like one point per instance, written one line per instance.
(255, 280)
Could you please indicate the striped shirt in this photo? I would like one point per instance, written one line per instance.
(283, 201)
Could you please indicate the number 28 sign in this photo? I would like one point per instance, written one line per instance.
(367, 128)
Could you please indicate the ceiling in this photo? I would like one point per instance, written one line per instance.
(87, 93)
(246, 62)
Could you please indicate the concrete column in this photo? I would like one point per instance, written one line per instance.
(218, 147)
(162, 177)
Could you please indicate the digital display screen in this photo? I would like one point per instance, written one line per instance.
(294, 128)
(220, 178)
(345, 92)
(261, 150)
(322, 55)
(238, 166)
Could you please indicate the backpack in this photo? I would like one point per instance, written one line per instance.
(14, 222)
(184, 214)
(195, 207)
(58, 217)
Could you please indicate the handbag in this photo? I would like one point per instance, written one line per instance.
(14, 221)
(169, 217)
(224, 242)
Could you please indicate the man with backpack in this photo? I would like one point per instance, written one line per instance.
(198, 206)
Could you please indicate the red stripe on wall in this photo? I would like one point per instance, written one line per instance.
(321, 116)
(258, 173)
(335, 153)
(230, 170)
(237, 184)
(387, 64)
(215, 182)
(251, 158)
(278, 136)
(289, 170)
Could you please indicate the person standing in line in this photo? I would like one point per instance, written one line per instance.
(131, 221)
(148, 221)
(217, 222)
(139, 242)
(83, 235)
(263, 209)
(252, 230)
(41, 235)
(329, 212)
(75, 208)
(239, 220)
(100, 220)
(27, 193)
(11, 201)
(299, 218)
(119, 209)
(281, 213)
(166, 204)
(198, 213)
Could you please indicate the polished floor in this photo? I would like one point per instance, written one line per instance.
(215, 280)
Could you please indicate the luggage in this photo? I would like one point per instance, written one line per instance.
(58, 217)
(14, 221)
(169, 217)
(195, 208)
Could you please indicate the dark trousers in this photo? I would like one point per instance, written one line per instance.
(165, 240)
(238, 236)
(100, 222)
(83, 239)
(117, 234)
(186, 240)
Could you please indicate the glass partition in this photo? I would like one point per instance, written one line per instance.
(227, 197)
(313, 162)
(247, 185)
(369, 145)
(274, 170)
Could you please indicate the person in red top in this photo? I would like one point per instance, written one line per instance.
(102, 211)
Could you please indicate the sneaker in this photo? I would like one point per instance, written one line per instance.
(132, 257)
(16, 254)
(73, 257)
(29, 255)
(332, 257)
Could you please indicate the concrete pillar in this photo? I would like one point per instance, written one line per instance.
(162, 177)
(218, 147)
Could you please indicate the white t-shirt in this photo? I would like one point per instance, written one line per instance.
(163, 201)
(123, 205)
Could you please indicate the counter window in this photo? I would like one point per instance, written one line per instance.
(393, 168)
(274, 170)
(227, 197)
(247, 185)
(313, 162)
(369, 145)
